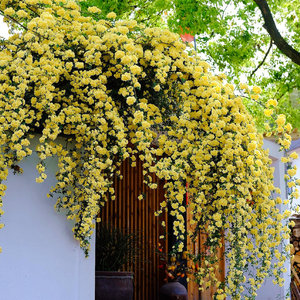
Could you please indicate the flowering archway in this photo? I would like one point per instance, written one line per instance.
(105, 84)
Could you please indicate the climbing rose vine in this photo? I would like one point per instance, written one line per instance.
(96, 92)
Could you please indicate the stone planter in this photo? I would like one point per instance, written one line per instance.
(113, 285)
(173, 291)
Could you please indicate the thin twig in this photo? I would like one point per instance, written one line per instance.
(253, 100)
(225, 9)
(12, 19)
(264, 59)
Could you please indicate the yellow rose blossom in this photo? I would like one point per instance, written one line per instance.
(130, 100)
(94, 10)
(268, 112)
(294, 155)
(288, 127)
(292, 172)
(9, 11)
(111, 15)
(271, 102)
(256, 90)
(157, 88)
(243, 86)
(280, 120)
(285, 159)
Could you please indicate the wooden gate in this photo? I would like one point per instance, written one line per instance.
(137, 216)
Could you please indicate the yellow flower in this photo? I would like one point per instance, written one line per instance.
(135, 70)
(280, 120)
(126, 77)
(285, 159)
(292, 172)
(157, 88)
(39, 180)
(268, 112)
(182, 209)
(9, 11)
(243, 86)
(294, 155)
(256, 90)
(272, 102)
(195, 133)
(130, 100)
(291, 184)
(252, 146)
(94, 10)
(111, 15)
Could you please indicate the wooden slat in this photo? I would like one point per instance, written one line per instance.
(192, 247)
(195, 247)
(296, 276)
(296, 259)
(127, 212)
(295, 291)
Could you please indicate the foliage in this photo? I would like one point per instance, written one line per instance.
(115, 248)
(104, 85)
(231, 37)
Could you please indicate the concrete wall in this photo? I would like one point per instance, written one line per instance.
(296, 163)
(40, 259)
(269, 291)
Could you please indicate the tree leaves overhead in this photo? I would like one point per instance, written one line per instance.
(231, 36)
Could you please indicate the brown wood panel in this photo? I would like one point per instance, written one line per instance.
(195, 247)
(192, 247)
(127, 212)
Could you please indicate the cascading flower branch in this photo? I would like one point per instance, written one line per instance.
(114, 90)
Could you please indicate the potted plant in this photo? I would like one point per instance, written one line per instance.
(175, 270)
(115, 250)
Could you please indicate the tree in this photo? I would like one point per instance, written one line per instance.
(238, 37)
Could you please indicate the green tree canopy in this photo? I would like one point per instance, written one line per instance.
(236, 37)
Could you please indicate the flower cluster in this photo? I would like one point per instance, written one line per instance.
(175, 266)
(112, 90)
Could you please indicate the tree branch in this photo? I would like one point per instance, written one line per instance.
(279, 41)
(12, 19)
(264, 59)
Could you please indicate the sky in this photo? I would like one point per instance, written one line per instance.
(3, 28)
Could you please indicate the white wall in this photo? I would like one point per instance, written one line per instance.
(296, 163)
(40, 259)
(269, 291)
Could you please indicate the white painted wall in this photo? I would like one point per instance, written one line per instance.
(269, 291)
(40, 259)
(296, 163)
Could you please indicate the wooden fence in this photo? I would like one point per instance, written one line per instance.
(127, 212)
(137, 216)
